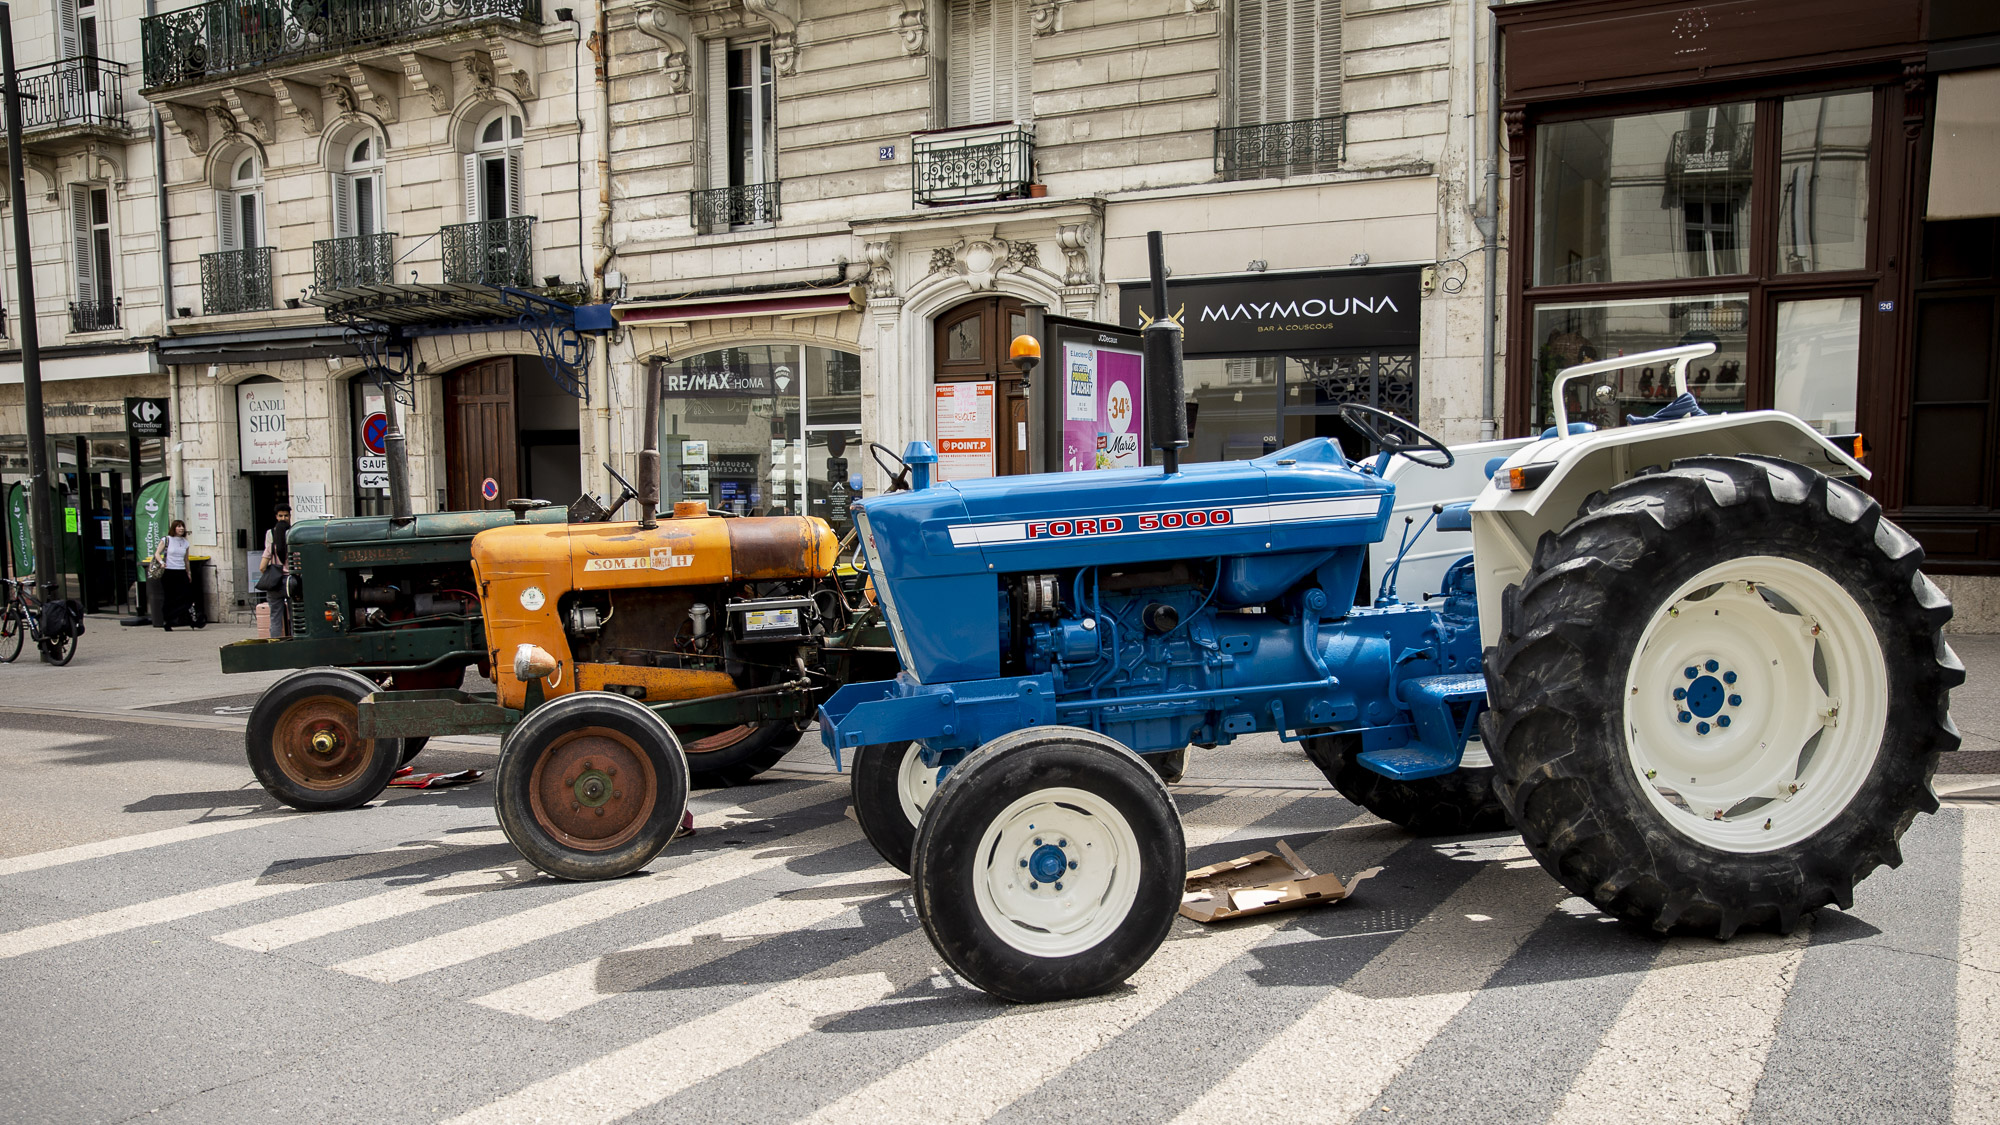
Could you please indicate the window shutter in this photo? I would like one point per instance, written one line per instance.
(1249, 61)
(343, 206)
(225, 220)
(1327, 85)
(72, 42)
(960, 69)
(253, 220)
(79, 225)
(1287, 60)
(516, 202)
(718, 113)
(472, 214)
(1016, 51)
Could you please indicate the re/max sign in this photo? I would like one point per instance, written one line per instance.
(1115, 525)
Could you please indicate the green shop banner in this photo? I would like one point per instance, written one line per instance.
(19, 531)
(151, 516)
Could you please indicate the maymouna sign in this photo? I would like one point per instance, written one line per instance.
(1288, 314)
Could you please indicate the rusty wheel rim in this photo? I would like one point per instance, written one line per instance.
(721, 740)
(593, 789)
(316, 744)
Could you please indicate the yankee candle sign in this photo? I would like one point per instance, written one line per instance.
(1288, 314)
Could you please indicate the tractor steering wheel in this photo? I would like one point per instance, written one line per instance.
(899, 477)
(621, 501)
(1395, 435)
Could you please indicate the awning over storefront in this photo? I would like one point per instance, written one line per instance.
(380, 320)
(93, 362)
(263, 345)
(783, 303)
(1965, 147)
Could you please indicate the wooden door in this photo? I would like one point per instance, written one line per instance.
(971, 346)
(481, 437)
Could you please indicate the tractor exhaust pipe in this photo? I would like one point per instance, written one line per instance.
(396, 455)
(1166, 383)
(649, 453)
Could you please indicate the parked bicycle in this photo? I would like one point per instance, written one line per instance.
(55, 626)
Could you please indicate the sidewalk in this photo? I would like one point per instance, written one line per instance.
(149, 675)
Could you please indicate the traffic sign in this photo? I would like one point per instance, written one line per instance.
(146, 417)
(373, 429)
(490, 488)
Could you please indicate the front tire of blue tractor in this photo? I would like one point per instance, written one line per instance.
(304, 746)
(1460, 803)
(1049, 865)
(1720, 694)
(590, 786)
(891, 787)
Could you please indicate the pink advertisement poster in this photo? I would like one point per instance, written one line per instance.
(1102, 406)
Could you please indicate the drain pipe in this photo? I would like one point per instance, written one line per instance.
(176, 494)
(600, 232)
(1487, 218)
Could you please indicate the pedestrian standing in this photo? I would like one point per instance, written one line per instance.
(176, 588)
(276, 565)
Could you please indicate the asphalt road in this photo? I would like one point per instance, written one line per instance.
(174, 947)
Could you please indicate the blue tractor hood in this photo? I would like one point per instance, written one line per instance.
(938, 552)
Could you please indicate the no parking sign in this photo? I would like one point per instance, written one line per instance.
(490, 488)
(374, 429)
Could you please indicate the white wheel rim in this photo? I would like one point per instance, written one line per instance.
(1755, 705)
(1058, 872)
(916, 783)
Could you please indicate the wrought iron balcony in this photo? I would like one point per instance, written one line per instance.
(1707, 158)
(350, 263)
(494, 252)
(235, 281)
(1281, 148)
(973, 164)
(198, 43)
(73, 92)
(728, 208)
(94, 316)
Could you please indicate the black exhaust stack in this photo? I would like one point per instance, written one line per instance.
(649, 454)
(1166, 383)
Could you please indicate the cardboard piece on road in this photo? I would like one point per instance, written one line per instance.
(1260, 883)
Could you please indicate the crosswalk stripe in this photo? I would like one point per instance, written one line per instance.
(483, 939)
(122, 844)
(1976, 1062)
(575, 987)
(1690, 1043)
(400, 901)
(989, 1068)
(186, 904)
(631, 1078)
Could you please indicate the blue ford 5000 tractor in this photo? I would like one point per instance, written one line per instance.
(1687, 660)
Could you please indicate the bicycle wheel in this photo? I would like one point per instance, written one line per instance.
(12, 630)
(59, 650)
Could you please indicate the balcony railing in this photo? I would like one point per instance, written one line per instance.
(94, 316)
(83, 91)
(236, 280)
(1281, 148)
(1710, 158)
(350, 263)
(727, 208)
(201, 42)
(494, 252)
(973, 164)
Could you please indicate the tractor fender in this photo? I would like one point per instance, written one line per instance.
(1507, 524)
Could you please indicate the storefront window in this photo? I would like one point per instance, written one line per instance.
(1644, 197)
(1819, 361)
(765, 429)
(1823, 182)
(1232, 408)
(1569, 334)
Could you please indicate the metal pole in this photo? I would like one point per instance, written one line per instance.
(40, 519)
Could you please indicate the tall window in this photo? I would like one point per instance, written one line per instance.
(988, 60)
(90, 231)
(357, 190)
(78, 28)
(493, 170)
(239, 208)
(742, 115)
(1287, 60)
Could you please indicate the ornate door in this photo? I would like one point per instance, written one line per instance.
(971, 346)
(480, 435)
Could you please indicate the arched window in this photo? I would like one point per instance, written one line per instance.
(357, 187)
(239, 208)
(493, 169)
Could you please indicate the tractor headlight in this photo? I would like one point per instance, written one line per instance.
(1524, 478)
(532, 662)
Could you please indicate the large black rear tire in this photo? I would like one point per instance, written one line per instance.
(735, 756)
(1049, 865)
(1720, 694)
(891, 788)
(302, 744)
(1460, 803)
(591, 786)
